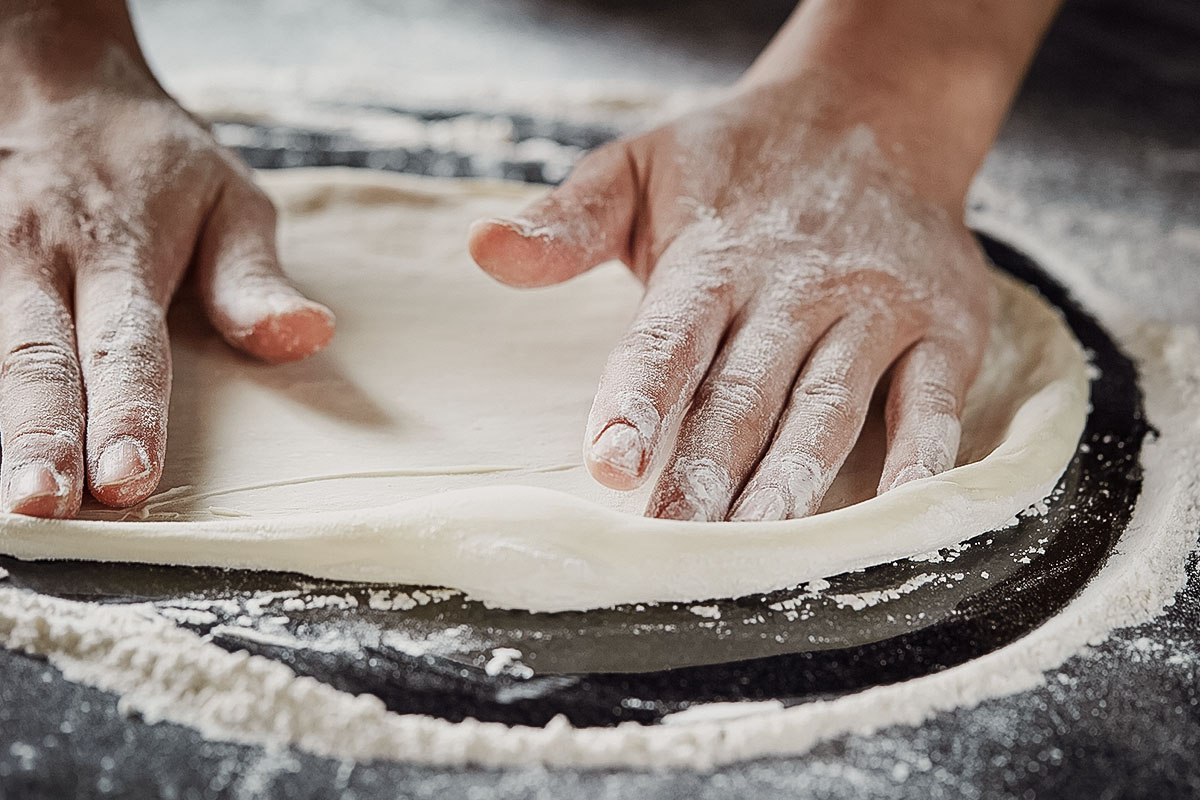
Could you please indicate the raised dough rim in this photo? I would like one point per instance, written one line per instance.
(544, 550)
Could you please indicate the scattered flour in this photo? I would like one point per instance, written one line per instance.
(320, 601)
(443, 641)
(165, 673)
(190, 616)
(506, 660)
(858, 602)
(713, 712)
(708, 612)
(387, 600)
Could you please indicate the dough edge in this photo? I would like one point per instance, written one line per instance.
(541, 550)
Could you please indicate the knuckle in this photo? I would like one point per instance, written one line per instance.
(106, 229)
(144, 418)
(734, 397)
(827, 396)
(43, 361)
(116, 261)
(119, 262)
(36, 436)
(658, 339)
(934, 397)
(714, 264)
(138, 356)
(118, 354)
(130, 345)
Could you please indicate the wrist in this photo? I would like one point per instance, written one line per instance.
(932, 79)
(62, 42)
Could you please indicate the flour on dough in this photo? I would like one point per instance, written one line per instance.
(438, 441)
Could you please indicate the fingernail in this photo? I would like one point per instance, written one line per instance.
(910, 473)
(681, 509)
(694, 488)
(807, 483)
(620, 447)
(767, 503)
(525, 228)
(485, 222)
(122, 461)
(34, 482)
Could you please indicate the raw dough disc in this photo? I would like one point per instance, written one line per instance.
(438, 441)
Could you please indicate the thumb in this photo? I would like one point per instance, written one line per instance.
(248, 298)
(584, 222)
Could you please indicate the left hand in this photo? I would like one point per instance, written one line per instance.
(112, 193)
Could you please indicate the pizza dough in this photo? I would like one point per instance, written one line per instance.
(438, 441)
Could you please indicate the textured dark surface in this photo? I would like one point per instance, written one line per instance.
(1108, 121)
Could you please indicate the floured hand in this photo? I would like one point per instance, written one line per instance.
(110, 191)
(793, 259)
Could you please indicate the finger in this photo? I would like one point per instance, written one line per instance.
(248, 298)
(41, 397)
(582, 223)
(826, 413)
(733, 415)
(924, 413)
(653, 372)
(120, 324)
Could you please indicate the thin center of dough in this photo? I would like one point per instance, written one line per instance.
(439, 439)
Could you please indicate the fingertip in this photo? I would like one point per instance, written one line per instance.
(290, 329)
(514, 252)
(612, 477)
(675, 506)
(761, 505)
(124, 473)
(692, 489)
(574, 227)
(617, 457)
(910, 473)
(40, 490)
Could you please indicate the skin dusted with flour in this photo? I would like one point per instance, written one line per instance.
(798, 239)
(766, 326)
(112, 192)
(415, 466)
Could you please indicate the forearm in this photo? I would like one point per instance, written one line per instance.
(935, 76)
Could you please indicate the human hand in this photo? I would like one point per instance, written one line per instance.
(110, 192)
(792, 259)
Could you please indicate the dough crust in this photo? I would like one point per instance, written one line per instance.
(438, 441)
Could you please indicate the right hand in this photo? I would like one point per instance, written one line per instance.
(110, 192)
(789, 266)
